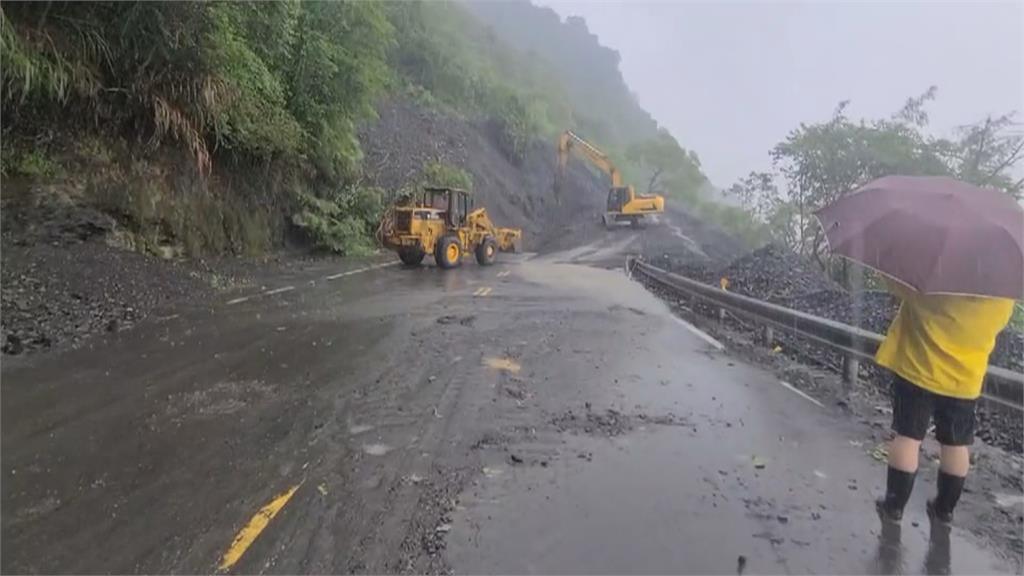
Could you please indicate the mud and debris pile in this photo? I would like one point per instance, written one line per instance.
(872, 309)
(774, 273)
(519, 193)
(60, 281)
(52, 297)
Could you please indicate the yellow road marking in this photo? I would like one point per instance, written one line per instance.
(506, 364)
(252, 530)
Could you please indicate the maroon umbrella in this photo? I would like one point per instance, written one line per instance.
(935, 234)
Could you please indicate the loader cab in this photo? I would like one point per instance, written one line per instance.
(454, 204)
(618, 197)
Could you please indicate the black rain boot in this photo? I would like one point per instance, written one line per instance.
(898, 485)
(941, 507)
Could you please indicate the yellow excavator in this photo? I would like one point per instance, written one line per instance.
(624, 204)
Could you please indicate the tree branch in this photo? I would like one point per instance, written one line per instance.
(1012, 158)
(981, 145)
(654, 178)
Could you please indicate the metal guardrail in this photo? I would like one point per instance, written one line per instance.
(1002, 386)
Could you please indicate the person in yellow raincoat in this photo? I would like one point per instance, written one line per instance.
(937, 348)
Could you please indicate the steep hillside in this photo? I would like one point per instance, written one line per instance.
(408, 136)
(604, 107)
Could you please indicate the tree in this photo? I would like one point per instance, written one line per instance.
(986, 153)
(818, 163)
(667, 167)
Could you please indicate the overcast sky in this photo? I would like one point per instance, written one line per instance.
(730, 79)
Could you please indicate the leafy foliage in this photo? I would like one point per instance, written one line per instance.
(281, 78)
(444, 51)
(239, 82)
(818, 163)
(667, 166)
(341, 221)
(33, 163)
(285, 83)
(439, 174)
(602, 106)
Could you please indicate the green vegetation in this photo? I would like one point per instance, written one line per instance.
(236, 85)
(247, 90)
(343, 221)
(445, 52)
(32, 163)
(1017, 320)
(818, 163)
(253, 79)
(593, 99)
(436, 173)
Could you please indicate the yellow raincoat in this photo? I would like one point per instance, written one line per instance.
(942, 342)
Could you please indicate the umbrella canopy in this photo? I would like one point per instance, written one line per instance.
(936, 234)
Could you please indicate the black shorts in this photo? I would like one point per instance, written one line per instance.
(913, 407)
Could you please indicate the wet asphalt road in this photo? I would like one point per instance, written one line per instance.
(543, 415)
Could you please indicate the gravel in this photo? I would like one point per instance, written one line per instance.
(774, 273)
(57, 296)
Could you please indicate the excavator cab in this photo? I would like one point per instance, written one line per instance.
(619, 197)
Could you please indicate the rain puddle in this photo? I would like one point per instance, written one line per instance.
(1008, 500)
(376, 449)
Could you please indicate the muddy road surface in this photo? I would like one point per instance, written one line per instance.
(542, 415)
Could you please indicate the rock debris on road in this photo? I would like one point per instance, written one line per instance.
(571, 425)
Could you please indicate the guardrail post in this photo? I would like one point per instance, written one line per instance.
(768, 335)
(851, 366)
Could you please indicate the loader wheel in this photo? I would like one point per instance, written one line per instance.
(487, 251)
(411, 256)
(448, 252)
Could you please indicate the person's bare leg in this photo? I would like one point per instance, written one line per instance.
(903, 453)
(955, 460)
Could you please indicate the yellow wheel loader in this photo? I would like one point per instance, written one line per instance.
(443, 222)
(624, 204)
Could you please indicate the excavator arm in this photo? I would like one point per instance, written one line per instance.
(624, 204)
(570, 141)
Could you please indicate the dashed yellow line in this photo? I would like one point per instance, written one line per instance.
(486, 290)
(252, 530)
(503, 364)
